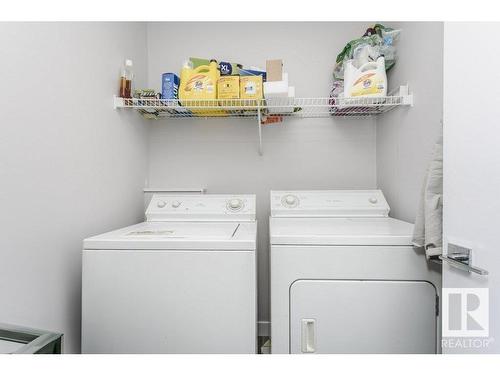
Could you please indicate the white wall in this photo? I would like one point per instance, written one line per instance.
(405, 137)
(471, 165)
(221, 154)
(70, 166)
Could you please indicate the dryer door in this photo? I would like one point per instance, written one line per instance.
(362, 316)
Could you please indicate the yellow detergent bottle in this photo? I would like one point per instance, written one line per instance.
(200, 85)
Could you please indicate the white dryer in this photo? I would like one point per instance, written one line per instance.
(346, 279)
(184, 281)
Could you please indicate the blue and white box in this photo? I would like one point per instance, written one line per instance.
(170, 86)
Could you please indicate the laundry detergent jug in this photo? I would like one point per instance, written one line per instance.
(199, 83)
(370, 79)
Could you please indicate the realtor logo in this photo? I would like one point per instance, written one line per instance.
(465, 312)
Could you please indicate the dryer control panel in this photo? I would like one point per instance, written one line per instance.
(202, 207)
(329, 203)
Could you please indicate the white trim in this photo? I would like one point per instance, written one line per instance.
(175, 190)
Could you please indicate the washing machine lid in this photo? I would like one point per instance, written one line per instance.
(351, 231)
(178, 236)
(329, 203)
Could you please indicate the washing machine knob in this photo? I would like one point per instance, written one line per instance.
(235, 204)
(291, 200)
(373, 200)
(176, 204)
(161, 204)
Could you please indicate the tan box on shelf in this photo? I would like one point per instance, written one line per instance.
(274, 70)
(251, 87)
(228, 87)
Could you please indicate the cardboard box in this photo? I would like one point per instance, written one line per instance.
(251, 72)
(228, 87)
(251, 87)
(276, 89)
(274, 70)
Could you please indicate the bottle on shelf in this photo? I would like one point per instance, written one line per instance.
(126, 77)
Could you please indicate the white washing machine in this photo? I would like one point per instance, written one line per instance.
(184, 281)
(346, 279)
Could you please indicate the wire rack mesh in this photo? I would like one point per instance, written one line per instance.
(252, 108)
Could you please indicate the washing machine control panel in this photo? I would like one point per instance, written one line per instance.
(217, 207)
(329, 203)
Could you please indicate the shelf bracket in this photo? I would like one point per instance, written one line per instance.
(259, 120)
(405, 93)
(118, 102)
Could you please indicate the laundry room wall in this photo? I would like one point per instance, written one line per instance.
(70, 166)
(221, 154)
(405, 137)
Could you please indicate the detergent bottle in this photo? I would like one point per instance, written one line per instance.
(369, 80)
(199, 83)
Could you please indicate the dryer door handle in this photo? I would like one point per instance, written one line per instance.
(308, 335)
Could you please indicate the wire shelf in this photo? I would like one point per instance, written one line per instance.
(267, 111)
(358, 107)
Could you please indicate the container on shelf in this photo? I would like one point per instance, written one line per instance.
(169, 86)
(229, 69)
(274, 70)
(251, 87)
(199, 89)
(199, 83)
(369, 80)
(126, 77)
(228, 87)
(196, 62)
(253, 72)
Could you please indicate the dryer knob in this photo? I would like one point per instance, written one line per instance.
(290, 200)
(161, 204)
(235, 204)
(176, 204)
(373, 200)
